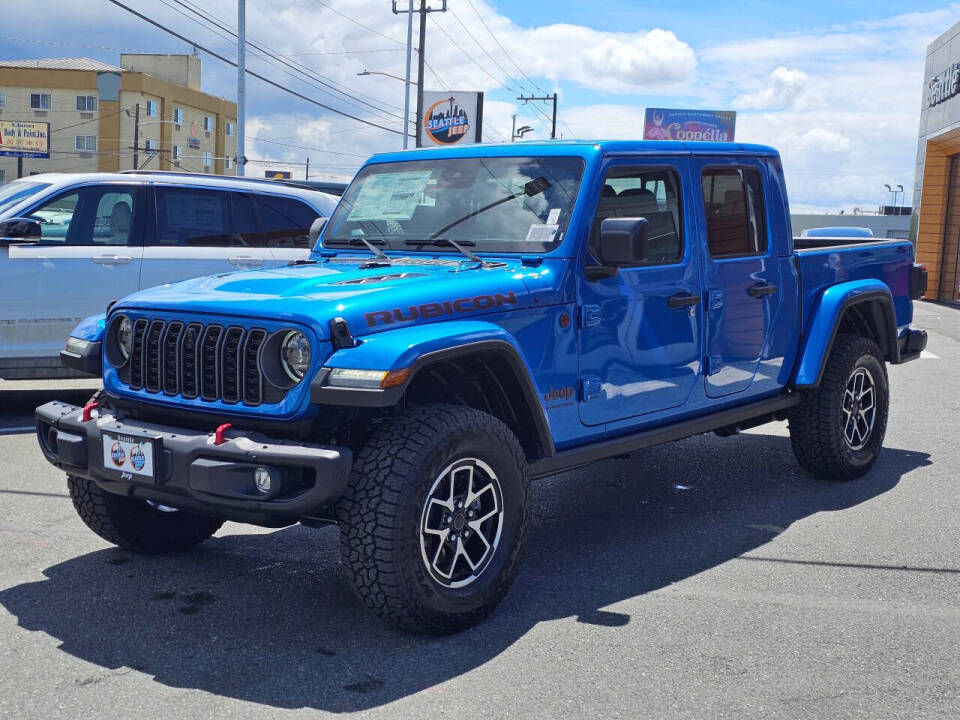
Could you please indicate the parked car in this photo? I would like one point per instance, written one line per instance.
(98, 237)
(474, 318)
(837, 232)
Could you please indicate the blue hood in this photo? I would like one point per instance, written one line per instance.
(410, 291)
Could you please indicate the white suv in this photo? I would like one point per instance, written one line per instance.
(104, 236)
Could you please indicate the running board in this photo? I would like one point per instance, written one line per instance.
(568, 459)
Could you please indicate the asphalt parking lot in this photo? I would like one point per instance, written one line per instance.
(710, 578)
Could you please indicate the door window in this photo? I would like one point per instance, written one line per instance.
(244, 221)
(285, 222)
(651, 193)
(733, 205)
(192, 218)
(87, 216)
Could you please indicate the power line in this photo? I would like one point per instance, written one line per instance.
(252, 73)
(279, 57)
(357, 22)
(468, 56)
(500, 44)
(484, 50)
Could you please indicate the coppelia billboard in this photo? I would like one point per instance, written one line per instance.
(450, 118)
(696, 125)
(24, 139)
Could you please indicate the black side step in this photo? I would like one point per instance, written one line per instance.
(569, 459)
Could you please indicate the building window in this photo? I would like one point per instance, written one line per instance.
(151, 108)
(86, 143)
(176, 153)
(150, 145)
(3, 99)
(178, 116)
(228, 163)
(207, 159)
(207, 123)
(86, 103)
(40, 101)
(230, 129)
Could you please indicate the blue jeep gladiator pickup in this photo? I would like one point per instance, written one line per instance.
(471, 319)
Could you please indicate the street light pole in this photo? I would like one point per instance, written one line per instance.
(406, 91)
(241, 83)
(423, 11)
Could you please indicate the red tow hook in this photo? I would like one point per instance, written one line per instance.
(88, 411)
(218, 438)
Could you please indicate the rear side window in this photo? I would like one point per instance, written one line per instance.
(192, 218)
(733, 205)
(285, 222)
(651, 193)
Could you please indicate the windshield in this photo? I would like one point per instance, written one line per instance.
(509, 204)
(14, 193)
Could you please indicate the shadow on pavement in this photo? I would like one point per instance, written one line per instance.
(266, 617)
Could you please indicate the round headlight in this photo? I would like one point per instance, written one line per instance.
(125, 336)
(295, 355)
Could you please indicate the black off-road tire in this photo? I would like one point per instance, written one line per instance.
(134, 525)
(381, 510)
(817, 424)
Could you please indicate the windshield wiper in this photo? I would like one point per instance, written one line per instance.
(358, 240)
(443, 242)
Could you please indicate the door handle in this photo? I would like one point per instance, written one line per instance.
(761, 289)
(112, 259)
(683, 300)
(246, 261)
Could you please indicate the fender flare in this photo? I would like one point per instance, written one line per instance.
(418, 347)
(824, 325)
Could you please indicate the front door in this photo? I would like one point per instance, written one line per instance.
(741, 275)
(88, 255)
(640, 328)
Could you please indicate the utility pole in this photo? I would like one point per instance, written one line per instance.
(136, 136)
(306, 173)
(241, 83)
(423, 11)
(547, 98)
(513, 129)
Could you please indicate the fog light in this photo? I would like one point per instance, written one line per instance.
(262, 479)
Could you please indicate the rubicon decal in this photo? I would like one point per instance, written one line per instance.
(438, 309)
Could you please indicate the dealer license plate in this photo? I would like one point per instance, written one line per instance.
(128, 454)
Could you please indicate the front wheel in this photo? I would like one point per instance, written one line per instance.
(135, 524)
(432, 521)
(838, 429)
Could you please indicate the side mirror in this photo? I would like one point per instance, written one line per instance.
(623, 241)
(20, 229)
(315, 229)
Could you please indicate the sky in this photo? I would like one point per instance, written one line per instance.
(834, 85)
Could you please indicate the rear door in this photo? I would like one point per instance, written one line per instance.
(89, 254)
(741, 274)
(194, 232)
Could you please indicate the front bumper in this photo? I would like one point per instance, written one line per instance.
(193, 473)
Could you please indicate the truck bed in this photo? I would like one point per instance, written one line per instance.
(820, 266)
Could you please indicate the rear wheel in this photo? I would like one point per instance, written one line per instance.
(433, 519)
(135, 524)
(838, 429)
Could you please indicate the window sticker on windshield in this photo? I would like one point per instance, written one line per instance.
(541, 233)
(389, 196)
(554, 216)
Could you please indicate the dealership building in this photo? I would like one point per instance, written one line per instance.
(936, 200)
(96, 110)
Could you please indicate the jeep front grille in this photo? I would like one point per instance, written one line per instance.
(211, 362)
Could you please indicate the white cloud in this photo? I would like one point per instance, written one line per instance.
(784, 89)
